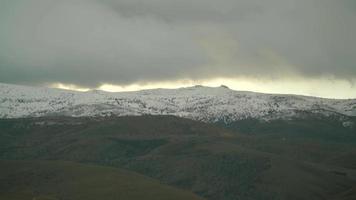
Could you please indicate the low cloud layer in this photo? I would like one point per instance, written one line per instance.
(91, 42)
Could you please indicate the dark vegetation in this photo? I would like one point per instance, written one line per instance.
(314, 158)
(54, 180)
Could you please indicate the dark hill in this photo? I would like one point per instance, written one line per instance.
(271, 160)
(55, 180)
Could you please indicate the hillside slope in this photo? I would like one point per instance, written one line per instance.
(274, 160)
(40, 180)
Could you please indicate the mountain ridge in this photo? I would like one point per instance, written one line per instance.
(208, 104)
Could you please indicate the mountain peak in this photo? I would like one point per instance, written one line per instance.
(209, 87)
(224, 86)
(198, 86)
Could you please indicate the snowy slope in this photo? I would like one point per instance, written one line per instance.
(198, 102)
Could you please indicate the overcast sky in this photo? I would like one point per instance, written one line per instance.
(88, 43)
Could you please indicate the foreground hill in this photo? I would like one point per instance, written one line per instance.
(198, 103)
(292, 159)
(40, 180)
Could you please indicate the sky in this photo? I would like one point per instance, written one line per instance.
(277, 46)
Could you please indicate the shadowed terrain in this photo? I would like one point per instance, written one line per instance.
(42, 180)
(294, 159)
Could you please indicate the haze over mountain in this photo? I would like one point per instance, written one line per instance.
(280, 46)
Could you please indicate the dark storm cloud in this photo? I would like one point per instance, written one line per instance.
(89, 42)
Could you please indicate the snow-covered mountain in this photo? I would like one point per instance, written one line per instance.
(198, 103)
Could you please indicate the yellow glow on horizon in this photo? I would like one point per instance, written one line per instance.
(327, 88)
(146, 86)
(69, 87)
